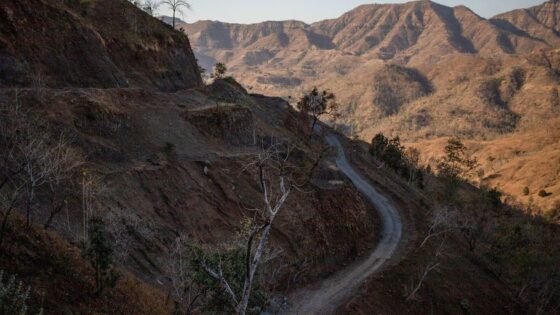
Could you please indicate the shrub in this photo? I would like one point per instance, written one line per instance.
(526, 191)
(13, 296)
(232, 264)
(394, 155)
(543, 193)
(100, 251)
(553, 215)
(169, 148)
(220, 70)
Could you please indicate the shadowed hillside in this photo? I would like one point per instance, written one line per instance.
(128, 185)
(102, 43)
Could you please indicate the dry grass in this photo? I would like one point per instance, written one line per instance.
(62, 280)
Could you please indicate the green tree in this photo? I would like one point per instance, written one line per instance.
(220, 70)
(233, 268)
(100, 251)
(13, 296)
(456, 161)
(378, 145)
(392, 153)
(317, 104)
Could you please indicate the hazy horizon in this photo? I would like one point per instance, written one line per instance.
(309, 11)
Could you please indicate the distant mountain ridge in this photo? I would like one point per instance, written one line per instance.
(411, 31)
(419, 70)
(542, 21)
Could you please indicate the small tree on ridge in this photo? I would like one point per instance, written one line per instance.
(176, 6)
(317, 104)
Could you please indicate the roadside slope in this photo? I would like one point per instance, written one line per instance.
(334, 291)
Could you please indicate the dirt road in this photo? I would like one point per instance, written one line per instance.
(326, 296)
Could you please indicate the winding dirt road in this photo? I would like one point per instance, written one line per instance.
(334, 291)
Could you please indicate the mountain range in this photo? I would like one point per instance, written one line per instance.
(420, 70)
(131, 185)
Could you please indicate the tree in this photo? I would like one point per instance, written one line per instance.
(378, 145)
(456, 161)
(271, 167)
(317, 104)
(13, 296)
(150, 7)
(33, 161)
(100, 252)
(220, 70)
(393, 153)
(176, 6)
(433, 264)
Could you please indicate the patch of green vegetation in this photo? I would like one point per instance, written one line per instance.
(169, 149)
(232, 264)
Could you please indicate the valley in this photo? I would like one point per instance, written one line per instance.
(139, 177)
(402, 69)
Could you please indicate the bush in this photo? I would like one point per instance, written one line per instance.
(13, 297)
(100, 251)
(220, 70)
(543, 193)
(169, 148)
(394, 155)
(232, 263)
(553, 215)
(526, 191)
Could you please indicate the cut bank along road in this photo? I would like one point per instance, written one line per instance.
(334, 291)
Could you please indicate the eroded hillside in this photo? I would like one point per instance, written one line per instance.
(109, 129)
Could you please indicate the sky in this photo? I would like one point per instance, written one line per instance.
(254, 11)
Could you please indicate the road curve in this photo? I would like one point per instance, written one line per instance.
(334, 291)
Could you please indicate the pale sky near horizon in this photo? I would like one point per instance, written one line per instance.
(253, 11)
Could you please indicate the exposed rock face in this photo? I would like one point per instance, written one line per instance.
(101, 43)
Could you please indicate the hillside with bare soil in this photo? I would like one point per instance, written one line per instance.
(128, 185)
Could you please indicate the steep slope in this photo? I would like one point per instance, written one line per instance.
(542, 22)
(170, 157)
(98, 43)
(165, 158)
(421, 27)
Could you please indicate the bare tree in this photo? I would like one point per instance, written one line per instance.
(470, 225)
(176, 6)
(32, 160)
(179, 272)
(433, 264)
(441, 221)
(125, 226)
(150, 6)
(274, 197)
(63, 162)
